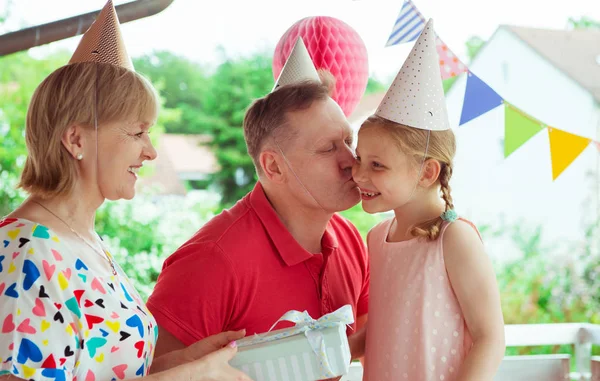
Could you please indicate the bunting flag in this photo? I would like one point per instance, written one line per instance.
(518, 128)
(450, 65)
(479, 99)
(565, 147)
(408, 26)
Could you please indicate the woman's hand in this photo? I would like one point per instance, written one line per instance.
(211, 344)
(212, 367)
(195, 351)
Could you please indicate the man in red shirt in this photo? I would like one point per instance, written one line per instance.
(282, 247)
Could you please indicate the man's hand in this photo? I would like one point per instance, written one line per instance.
(357, 343)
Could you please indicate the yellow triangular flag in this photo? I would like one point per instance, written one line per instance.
(564, 148)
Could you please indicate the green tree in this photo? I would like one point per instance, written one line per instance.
(234, 85)
(583, 22)
(20, 74)
(183, 84)
(374, 86)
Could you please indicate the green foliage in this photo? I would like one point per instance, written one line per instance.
(183, 85)
(362, 220)
(374, 86)
(583, 22)
(19, 76)
(547, 286)
(143, 232)
(234, 85)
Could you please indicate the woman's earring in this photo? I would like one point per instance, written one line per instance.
(79, 156)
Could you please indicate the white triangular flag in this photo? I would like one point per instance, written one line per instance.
(298, 67)
(416, 97)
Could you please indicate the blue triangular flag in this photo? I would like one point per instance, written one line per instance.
(479, 99)
(408, 26)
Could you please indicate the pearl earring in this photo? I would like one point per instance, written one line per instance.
(79, 156)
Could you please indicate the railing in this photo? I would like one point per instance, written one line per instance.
(542, 367)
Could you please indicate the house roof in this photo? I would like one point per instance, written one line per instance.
(180, 156)
(575, 52)
(189, 153)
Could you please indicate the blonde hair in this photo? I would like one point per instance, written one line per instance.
(413, 142)
(67, 97)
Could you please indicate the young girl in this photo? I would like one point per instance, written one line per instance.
(434, 303)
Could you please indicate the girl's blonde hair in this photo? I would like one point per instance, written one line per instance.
(413, 142)
(67, 97)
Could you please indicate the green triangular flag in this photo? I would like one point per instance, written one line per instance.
(518, 128)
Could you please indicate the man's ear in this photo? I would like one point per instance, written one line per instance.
(272, 165)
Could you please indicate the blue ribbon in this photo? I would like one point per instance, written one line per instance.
(311, 329)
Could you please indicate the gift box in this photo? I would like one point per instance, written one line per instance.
(311, 350)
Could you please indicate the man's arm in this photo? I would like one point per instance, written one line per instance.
(167, 344)
(195, 296)
(358, 339)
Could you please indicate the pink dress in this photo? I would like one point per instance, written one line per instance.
(416, 330)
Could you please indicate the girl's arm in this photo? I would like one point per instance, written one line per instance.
(474, 282)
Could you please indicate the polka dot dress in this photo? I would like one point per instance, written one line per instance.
(416, 328)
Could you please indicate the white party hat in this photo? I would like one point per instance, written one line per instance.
(298, 67)
(416, 97)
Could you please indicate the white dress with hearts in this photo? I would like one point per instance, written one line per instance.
(64, 316)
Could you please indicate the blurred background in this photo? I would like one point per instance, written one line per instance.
(528, 164)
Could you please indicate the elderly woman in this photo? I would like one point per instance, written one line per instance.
(67, 310)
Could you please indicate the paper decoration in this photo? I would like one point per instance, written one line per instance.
(479, 99)
(416, 97)
(518, 128)
(408, 25)
(565, 147)
(450, 65)
(103, 42)
(334, 46)
(298, 67)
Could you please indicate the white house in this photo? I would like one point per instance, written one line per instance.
(553, 75)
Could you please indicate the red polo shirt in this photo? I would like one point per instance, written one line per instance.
(243, 269)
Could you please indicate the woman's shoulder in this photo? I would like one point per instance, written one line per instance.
(22, 239)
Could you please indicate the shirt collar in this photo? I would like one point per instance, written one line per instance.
(288, 248)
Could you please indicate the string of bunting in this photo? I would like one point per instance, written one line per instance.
(519, 127)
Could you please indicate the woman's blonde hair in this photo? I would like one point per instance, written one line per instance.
(68, 97)
(413, 142)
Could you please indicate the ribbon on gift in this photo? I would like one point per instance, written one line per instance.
(310, 327)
